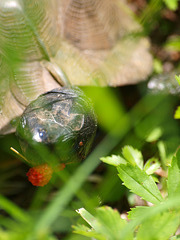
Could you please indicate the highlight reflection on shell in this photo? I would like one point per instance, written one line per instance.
(60, 120)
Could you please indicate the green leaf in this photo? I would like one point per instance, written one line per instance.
(113, 160)
(140, 183)
(151, 166)
(155, 134)
(14, 211)
(107, 222)
(137, 212)
(5, 235)
(174, 176)
(133, 156)
(173, 44)
(176, 76)
(85, 231)
(141, 214)
(177, 113)
(158, 67)
(136, 179)
(161, 226)
(151, 128)
(175, 237)
(171, 4)
(111, 111)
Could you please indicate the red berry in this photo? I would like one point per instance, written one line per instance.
(40, 175)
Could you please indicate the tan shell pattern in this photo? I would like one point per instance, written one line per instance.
(91, 41)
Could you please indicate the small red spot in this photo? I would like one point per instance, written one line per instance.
(80, 143)
(40, 175)
(62, 166)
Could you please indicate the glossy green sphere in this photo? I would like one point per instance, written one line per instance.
(61, 123)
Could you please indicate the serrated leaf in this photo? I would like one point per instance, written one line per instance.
(113, 160)
(133, 156)
(85, 231)
(174, 176)
(107, 222)
(159, 227)
(177, 113)
(151, 166)
(112, 221)
(155, 179)
(89, 218)
(137, 212)
(142, 214)
(140, 183)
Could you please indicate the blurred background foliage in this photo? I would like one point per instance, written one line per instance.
(130, 115)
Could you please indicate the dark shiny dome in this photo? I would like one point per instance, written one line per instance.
(62, 121)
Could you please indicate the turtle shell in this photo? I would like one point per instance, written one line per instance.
(94, 42)
(62, 121)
